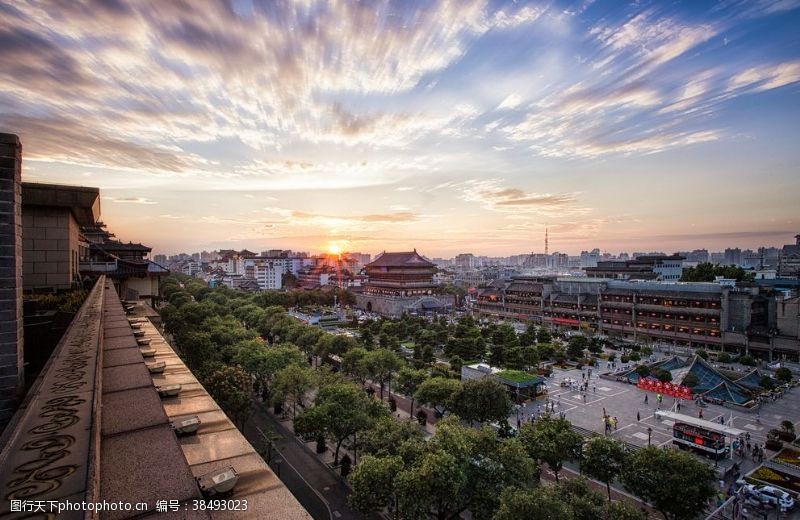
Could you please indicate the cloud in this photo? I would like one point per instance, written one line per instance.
(651, 39)
(131, 200)
(492, 195)
(153, 76)
(511, 102)
(766, 77)
(385, 218)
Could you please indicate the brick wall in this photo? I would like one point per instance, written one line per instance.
(50, 241)
(11, 364)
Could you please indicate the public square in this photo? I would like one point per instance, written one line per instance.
(626, 401)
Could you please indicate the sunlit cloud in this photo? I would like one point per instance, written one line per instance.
(131, 200)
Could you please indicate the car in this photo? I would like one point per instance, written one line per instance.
(770, 495)
(775, 496)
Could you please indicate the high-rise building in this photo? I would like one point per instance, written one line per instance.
(733, 256)
(465, 261)
(790, 259)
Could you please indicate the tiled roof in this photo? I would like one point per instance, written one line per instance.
(404, 259)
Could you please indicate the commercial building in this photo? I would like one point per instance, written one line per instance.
(647, 267)
(712, 316)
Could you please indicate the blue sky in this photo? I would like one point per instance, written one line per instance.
(448, 126)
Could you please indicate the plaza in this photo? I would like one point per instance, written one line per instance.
(634, 416)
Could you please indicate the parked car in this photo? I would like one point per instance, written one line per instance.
(777, 497)
(770, 495)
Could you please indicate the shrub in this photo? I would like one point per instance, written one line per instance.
(702, 353)
(783, 374)
(724, 357)
(747, 361)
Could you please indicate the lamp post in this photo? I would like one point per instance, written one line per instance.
(649, 434)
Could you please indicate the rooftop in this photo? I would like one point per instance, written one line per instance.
(82, 201)
(401, 259)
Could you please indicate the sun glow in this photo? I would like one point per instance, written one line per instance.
(334, 248)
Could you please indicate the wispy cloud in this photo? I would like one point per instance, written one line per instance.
(131, 200)
(494, 196)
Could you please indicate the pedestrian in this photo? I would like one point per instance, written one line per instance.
(678, 406)
(645, 398)
(700, 413)
(722, 419)
(638, 418)
(584, 397)
(615, 423)
(760, 455)
(594, 388)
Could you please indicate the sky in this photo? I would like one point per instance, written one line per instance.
(446, 126)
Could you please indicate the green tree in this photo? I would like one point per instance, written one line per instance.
(665, 376)
(541, 502)
(747, 361)
(340, 410)
(622, 510)
(503, 340)
(660, 477)
(702, 353)
(783, 374)
(438, 393)
(380, 365)
(643, 370)
(292, 383)
(353, 364)
(576, 346)
(552, 441)
(543, 336)
(603, 459)
(408, 380)
(481, 400)
(388, 436)
(766, 382)
(374, 485)
(528, 337)
(230, 388)
(707, 272)
(724, 357)
(264, 362)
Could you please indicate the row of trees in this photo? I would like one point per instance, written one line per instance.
(462, 468)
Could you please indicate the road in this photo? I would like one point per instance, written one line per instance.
(314, 484)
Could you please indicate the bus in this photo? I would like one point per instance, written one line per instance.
(706, 442)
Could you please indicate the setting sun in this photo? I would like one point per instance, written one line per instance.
(334, 248)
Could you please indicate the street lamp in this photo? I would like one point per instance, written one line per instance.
(649, 434)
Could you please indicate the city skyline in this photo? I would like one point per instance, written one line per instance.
(451, 127)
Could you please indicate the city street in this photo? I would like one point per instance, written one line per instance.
(313, 483)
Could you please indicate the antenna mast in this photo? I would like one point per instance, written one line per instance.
(546, 251)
